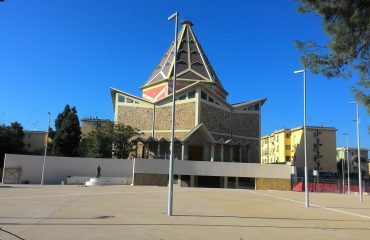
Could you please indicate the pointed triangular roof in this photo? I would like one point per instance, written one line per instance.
(192, 63)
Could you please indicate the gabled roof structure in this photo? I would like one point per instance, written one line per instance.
(192, 63)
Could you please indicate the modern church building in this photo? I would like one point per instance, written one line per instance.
(207, 126)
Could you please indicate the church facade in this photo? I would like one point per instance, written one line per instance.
(207, 126)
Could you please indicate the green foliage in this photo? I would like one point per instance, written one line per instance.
(11, 140)
(123, 140)
(50, 143)
(68, 133)
(96, 144)
(347, 24)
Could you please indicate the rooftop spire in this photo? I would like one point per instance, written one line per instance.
(187, 22)
(192, 62)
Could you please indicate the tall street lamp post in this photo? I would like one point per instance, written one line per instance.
(170, 174)
(45, 152)
(347, 157)
(305, 136)
(358, 152)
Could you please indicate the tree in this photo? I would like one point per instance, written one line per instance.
(347, 24)
(123, 140)
(97, 144)
(11, 140)
(68, 133)
(363, 166)
(51, 136)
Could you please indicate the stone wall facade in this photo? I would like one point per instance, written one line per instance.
(246, 124)
(215, 119)
(136, 117)
(150, 179)
(273, 184)
(167, 135)
(250, 150)
(185, 117)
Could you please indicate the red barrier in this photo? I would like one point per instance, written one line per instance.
(327, 187)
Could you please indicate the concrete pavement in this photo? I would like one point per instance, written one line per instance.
(134, 212)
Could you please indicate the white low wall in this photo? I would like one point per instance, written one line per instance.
(205, 168)
(57, 169)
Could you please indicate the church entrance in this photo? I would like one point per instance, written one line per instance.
(196, 153)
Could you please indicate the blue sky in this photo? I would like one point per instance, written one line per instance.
(58, 52)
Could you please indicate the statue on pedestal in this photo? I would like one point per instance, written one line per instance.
(98, 172)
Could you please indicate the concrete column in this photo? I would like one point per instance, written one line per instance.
(212, 152)
(222, 153)
(147, 151)
(231, 153)
(158, 149)
(191, 180)
(179, 180)
(236, 182)
(240, 153)
(182, 151)
(225, 182)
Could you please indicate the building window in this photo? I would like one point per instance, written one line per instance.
(183, 97)
(121, 98)
(191, 94)
(287, 147)
(210, 99)
(256, 107)
(287, 158)
(203, 95)
(288, 135)
(128, 100)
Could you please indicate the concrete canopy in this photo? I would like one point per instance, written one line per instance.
(202, 131)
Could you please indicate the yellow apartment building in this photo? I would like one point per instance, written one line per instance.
(34, 141)
(95, 124)
(286, 147)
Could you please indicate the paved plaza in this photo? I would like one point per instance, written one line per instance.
(139, 212)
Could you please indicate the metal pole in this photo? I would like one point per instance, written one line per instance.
(342, 160)
(348, 178)
(170, 174)
(45, 152)
(358, 153)
(347, 160)
(305, 141)
(305, 137)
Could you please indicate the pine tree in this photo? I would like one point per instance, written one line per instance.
(347, 24)
(68, 133)
(11, 140)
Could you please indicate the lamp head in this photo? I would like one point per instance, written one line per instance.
(299, 71)
(173, 16)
